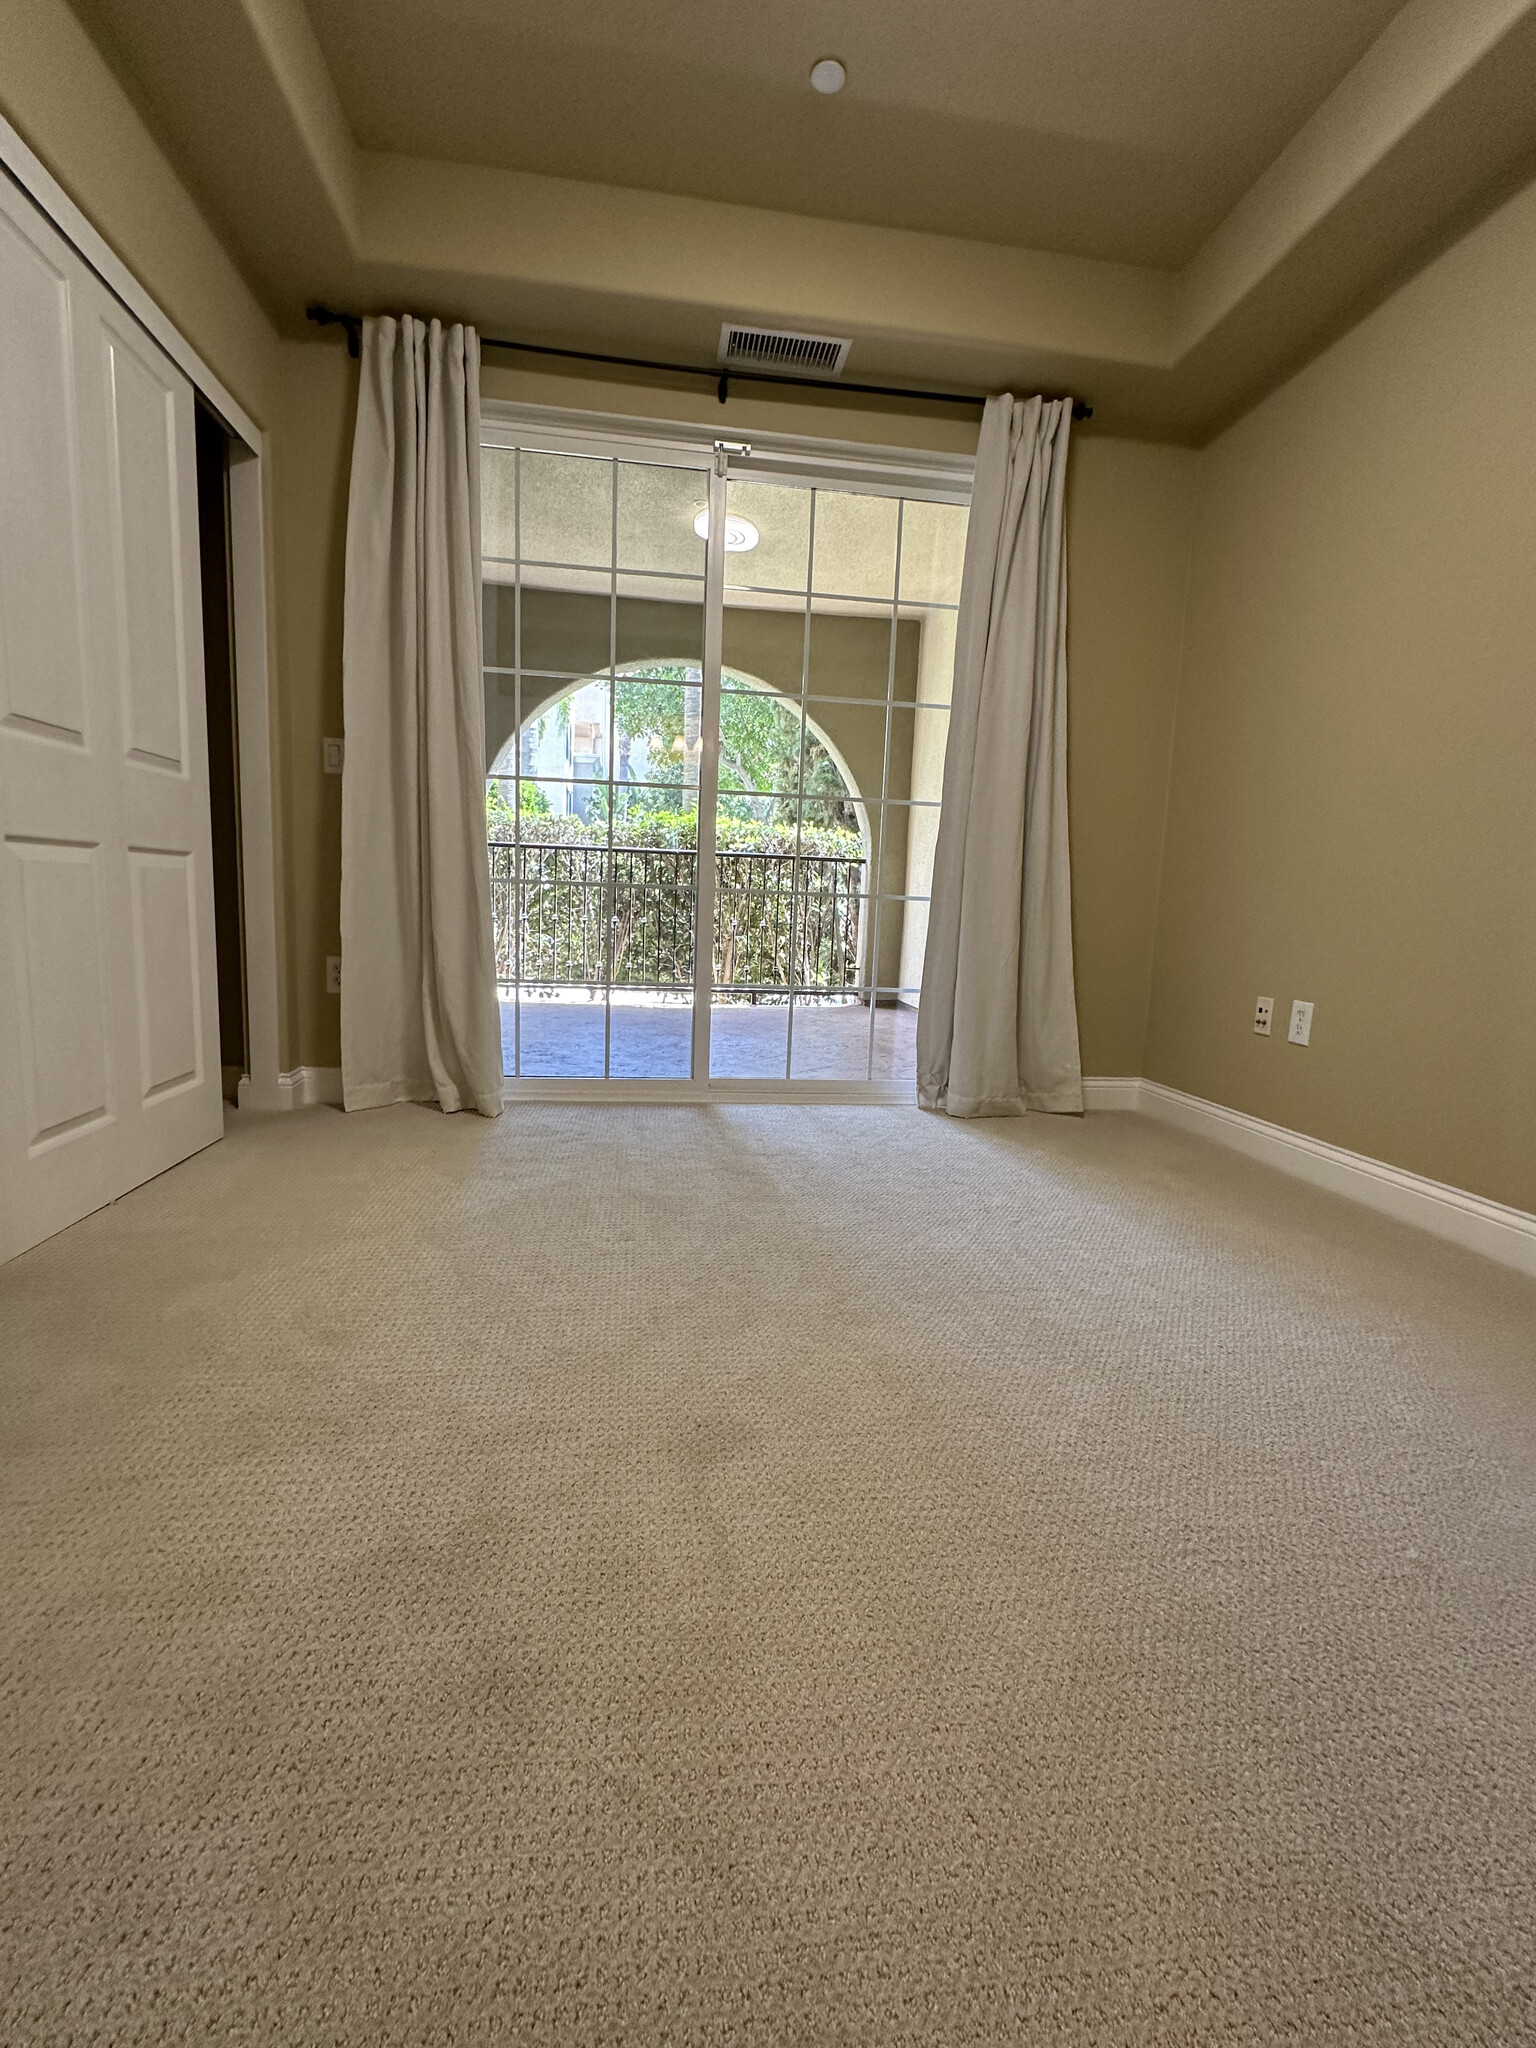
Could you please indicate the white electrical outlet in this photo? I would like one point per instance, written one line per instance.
(333, 974)
(331, 754)
(1263, 1015)
(1300, 1032)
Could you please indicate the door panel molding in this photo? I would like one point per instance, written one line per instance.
(43, 648)
(148, 546)
(166, 977)
(65, 1057)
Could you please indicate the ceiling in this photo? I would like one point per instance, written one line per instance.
(1164, 206)
(1095, 127)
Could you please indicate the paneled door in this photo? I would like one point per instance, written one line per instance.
(109, 1055)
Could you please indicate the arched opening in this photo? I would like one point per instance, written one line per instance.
(593, 770)
(561, 753)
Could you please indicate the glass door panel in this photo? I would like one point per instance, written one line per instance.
(831, 636)
(594, 640)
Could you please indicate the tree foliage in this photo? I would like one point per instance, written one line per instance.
(760, 745)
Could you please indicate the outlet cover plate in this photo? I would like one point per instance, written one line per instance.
(1300, 1032)
(333, 974)
(1264, 1015)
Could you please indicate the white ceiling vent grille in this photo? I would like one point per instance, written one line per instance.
(791, 355)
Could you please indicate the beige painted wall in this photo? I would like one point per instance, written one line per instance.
(930, 737)
(316, 405)
(1128, 523)
(1353, 801)
(1128, 514)
(59, 95)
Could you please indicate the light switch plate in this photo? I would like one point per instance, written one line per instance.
(1300, 1032)
(332, 753)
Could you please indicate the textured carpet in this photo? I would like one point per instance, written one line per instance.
(762, 1576)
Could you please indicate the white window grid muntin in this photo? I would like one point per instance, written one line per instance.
(576, 676)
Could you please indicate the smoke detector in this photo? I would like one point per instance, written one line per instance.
(778, 349)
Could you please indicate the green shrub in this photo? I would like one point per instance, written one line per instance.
(675, 830)
(568, 908)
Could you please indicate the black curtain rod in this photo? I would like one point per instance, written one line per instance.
(352, 322)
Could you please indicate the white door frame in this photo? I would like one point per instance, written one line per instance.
(265, 1087)
(780, 458)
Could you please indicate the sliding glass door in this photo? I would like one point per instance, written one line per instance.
(716, 701)
(837, 654)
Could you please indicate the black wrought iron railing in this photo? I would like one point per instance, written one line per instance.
(579, 916)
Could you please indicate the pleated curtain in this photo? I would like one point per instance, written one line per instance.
(997, 1016)
(419, 1014)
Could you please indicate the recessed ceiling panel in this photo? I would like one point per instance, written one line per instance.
(1093, 126)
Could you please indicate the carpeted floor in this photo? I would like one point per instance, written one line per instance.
(762, 1576)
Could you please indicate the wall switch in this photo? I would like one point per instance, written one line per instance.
(1300, 1032)
(331, 752)
(333, 974)
(1263, 1015)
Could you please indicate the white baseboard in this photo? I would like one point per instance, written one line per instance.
(276, 1094)
(1498, 1232)
(1111, 1091)
(313, 1085)
(298, 1090)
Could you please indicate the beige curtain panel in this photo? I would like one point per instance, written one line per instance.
(997, 1018)
(419, 1016)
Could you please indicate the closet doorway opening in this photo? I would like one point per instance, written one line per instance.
(715, 761)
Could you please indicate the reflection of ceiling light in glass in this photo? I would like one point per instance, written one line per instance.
(740, 534)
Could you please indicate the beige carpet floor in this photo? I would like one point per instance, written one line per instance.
(762, 1576)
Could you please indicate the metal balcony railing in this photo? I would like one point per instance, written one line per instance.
(623, 916)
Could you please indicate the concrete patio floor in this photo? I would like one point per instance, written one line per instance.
(562, 1037)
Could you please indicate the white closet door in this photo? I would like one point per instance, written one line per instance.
(109, 1056)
